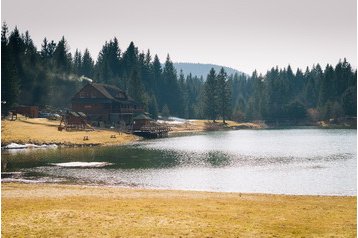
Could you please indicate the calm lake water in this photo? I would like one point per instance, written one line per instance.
(290, 161)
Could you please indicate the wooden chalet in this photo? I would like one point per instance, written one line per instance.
(105, 103)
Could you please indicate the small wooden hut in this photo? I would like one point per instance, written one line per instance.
(74, 121)
(28, 111)
(145, 127)
(141, 120)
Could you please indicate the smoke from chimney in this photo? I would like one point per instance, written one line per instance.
(86, 78)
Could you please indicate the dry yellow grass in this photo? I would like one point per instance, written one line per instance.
(39, 210)
(44, 131)
(204, 125)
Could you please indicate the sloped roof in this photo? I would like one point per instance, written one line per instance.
(110, 91)
(142, 117)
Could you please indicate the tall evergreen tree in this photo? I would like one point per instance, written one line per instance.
(157, 80)
(153, 107)
(211, 95)
(87, 64)
(136, 90)
(9, 79)
(77, 62)
(62, 56)
(171, 91)
(223, 95)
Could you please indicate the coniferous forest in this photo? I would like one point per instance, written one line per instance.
(51, 75)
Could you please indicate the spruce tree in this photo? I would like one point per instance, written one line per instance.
(62, 57)
(77, 62)
(223, 95)
(171, 91)
(136, 90)
(87, 64)
(9, 79)
(153, 107)
(165, 111)
(211, 95)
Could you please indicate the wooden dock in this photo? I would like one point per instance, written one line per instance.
(152, 132)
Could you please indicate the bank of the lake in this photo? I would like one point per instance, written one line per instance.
(41, 131)
(44, 210)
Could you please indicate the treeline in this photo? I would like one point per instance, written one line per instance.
(51, 75)
(281, 95)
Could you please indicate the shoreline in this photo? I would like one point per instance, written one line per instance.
(124, 187)
(41, 131)
(80, 210)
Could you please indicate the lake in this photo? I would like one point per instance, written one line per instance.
(287, 161)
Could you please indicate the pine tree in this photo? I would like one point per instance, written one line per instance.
(62, 57)
(153, 107)
(165, 111)
(136, 90)
(87, 64)
(108, 66)
(130, 59)
(157, 80)
(325, 92)
(77, 62)
(9, 79)
(211, 96)
(223, 95)
(171, 91)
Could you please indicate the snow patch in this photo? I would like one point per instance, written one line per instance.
(27, 146)
(82, 164)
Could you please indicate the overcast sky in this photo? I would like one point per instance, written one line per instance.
(243, 34)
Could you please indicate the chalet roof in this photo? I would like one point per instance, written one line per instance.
(109, 91)
(76, 114)
(142, 117)
(114, 93)
(72, 113)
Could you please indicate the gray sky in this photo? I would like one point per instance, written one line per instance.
(243, 34)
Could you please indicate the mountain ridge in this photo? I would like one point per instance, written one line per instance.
(199, 69)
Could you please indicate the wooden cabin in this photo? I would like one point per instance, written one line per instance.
(105, 103)
(28, 111)
(74, 121)
(141, 120)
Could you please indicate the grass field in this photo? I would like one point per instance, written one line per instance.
(42, 210)
(44, 131)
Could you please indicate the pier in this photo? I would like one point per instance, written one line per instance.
(152, 132)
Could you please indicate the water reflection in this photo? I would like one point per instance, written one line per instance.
(273, 161)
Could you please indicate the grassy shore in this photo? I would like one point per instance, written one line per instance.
(42, 210)
(44, 131)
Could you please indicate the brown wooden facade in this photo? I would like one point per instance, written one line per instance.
(28, 111)
(105, 103)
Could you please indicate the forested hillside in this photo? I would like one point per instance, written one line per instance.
(197, 69)
(51, 75)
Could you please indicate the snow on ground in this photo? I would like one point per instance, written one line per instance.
(27, 146)
(82, 164)
(173, 121)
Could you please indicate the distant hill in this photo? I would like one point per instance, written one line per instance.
(202, 69)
